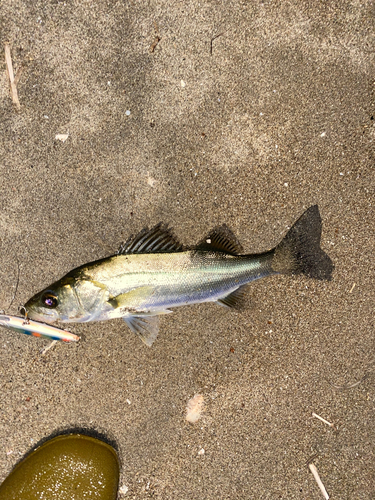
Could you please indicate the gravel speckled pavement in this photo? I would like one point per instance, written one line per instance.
(195, 114)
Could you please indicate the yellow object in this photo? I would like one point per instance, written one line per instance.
(70, 467)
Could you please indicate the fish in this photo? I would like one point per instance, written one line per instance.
(36, 329)
(152, 273)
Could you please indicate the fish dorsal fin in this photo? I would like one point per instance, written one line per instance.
(146, 327)
(156, 240)
(234, 300)
(221, 239)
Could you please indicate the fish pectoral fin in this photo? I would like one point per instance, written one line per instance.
(131, 299)
(98, 284)
(234, 300)
(146, 327)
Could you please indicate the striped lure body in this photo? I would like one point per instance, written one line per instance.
(36, 329)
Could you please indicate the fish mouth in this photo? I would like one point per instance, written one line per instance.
(31, 314)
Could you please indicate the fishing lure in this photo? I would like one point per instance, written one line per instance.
(36, 328)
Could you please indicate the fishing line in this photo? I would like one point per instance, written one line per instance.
(2, 311)
(17, 283)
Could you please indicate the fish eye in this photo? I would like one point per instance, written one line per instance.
(49, 300)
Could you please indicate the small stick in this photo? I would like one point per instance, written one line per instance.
(8, 61)
(154, 43)
(13, 84)
(157, 38)
(349, 386)
(48, 347)
(323, 420)
(212, 39)
(311, 458)
(314, 471)
(352, 288)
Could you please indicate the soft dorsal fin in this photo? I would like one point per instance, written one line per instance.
(156, 240)
(234, 300)
(221, 239)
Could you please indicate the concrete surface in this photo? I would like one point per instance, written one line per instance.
(279, 115)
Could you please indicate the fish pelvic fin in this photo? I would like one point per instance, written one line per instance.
(146, 327)
(234, 300)
(300, 253)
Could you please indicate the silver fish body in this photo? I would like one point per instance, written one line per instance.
(152, 273)
(157, 282)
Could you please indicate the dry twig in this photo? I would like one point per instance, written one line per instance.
(314, 471)
(48, 347)
(323, 420)
(212, 40)
(154, 43)
(349, 386)
(13, 80)
(157, 38)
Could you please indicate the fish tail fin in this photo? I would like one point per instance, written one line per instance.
(300, 253)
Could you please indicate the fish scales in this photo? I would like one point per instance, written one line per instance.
(179, 278)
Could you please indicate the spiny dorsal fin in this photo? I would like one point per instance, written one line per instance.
(221, 239)
(156, 240)
(234, 300)
(146, 327)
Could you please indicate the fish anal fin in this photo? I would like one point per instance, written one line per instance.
(159, 239)
(146, 327)
(236, 299)
(221, 239)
